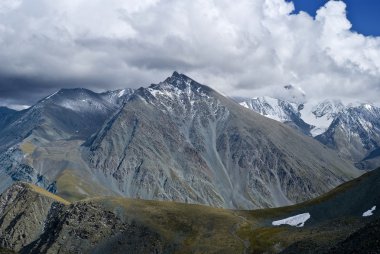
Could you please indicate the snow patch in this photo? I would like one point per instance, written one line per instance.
(51, 95)
(121, 93)
(369, 212)
(295, 221)
(368, 106)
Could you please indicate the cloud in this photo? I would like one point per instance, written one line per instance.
(8, 5)
(238, 47)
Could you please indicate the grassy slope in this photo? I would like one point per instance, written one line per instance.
(202, 229)
(73, 186)
(44, 192)
(195, 228)
(334, 216)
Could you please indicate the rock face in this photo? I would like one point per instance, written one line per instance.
(23, 213)
(87, 228)
(182, 141)
(35, 221)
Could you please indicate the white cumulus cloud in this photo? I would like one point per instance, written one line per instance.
(241, 47)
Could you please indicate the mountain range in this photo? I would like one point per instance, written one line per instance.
(177, 140)
(353, 129)
(176, 167)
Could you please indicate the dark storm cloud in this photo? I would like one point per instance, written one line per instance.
(27, 90)
(243, 47)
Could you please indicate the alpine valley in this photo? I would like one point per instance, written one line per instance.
(177, 167)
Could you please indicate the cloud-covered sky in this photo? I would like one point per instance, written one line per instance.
(240, 48)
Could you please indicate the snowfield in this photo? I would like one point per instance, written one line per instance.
(369, 212)
(295, 221)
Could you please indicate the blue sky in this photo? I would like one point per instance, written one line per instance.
(363, 14)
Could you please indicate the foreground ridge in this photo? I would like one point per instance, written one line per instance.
(119, 225)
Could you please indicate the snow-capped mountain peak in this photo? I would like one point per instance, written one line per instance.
(321, 114)
(178, 87)
(328, 108)
(279, 110)
(291, 93)
(272, 108)
(352, 129)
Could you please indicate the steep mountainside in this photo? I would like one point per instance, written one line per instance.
(182, 141)
(41, 144)
(371, 161)
(35, 221)
(355, 133)
(6, 115)
(69, 113)
(24, 209)
(341, 218)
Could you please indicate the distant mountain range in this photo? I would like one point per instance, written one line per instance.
(70, 163)
(177, 140)
(353, 130)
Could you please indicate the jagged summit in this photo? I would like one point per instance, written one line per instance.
(279, 110)
(181, 82)
(291, 93)
(328, 108)
(177, 88)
